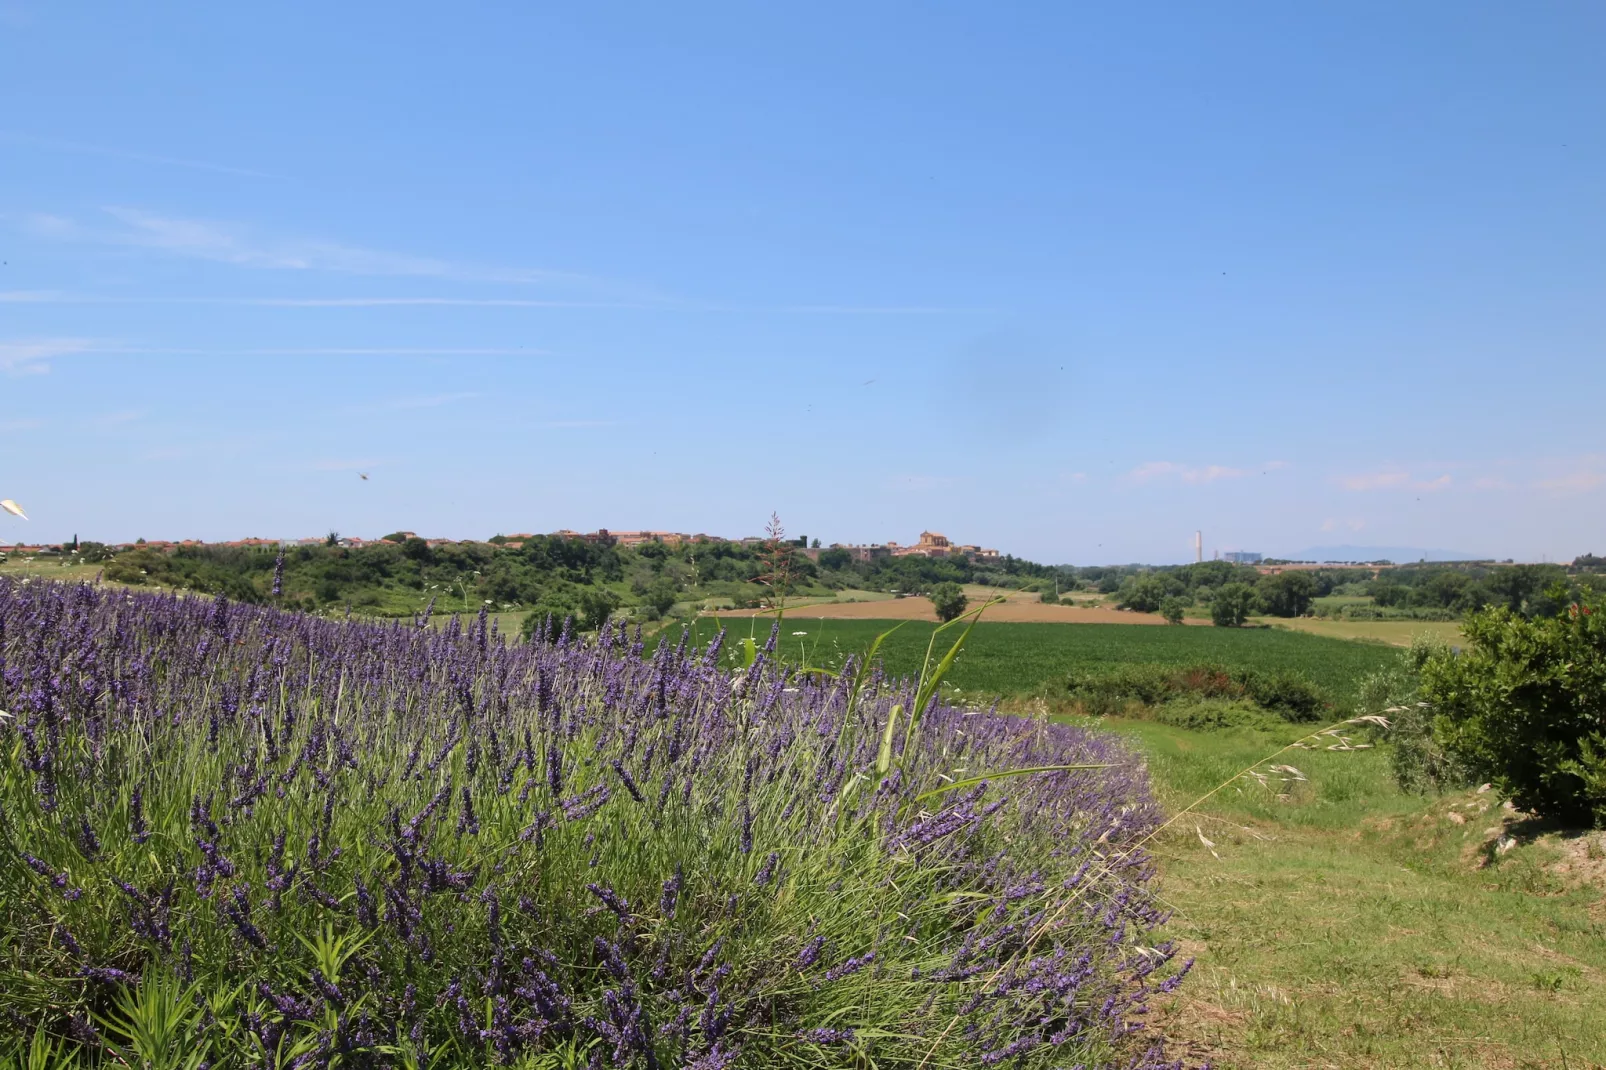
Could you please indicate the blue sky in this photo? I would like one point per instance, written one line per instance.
(1071, 283)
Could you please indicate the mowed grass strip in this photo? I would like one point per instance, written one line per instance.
(1351, 925)
(1010, 659)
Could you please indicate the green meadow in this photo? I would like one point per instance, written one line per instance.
(1339, 922)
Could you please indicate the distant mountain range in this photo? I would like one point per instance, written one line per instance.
(1397, 554)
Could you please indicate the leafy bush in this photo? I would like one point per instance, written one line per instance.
(1286, 594)
(1525, 708)
(1417, 760)
(1145, 593)
(307, 843)
(1173, 608)
(596, 606)
(948, 599)
(1213, 714)
(662, 595)
(1231, 605)
(1289, 693)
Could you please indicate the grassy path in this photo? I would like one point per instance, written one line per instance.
(1393, 632)
(1349, 925)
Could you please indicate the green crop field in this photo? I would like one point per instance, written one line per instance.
(1020, 659)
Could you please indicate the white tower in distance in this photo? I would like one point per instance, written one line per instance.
(1198, 546)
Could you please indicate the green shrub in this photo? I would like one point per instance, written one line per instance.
(661, 596)
(948, 599)
(1145, 593)
(1286, 692)
(596, 606)
(1212, 714)
(1286, 594)
(1173, 608)
(1231, 605)
(1417, 759)
(1525, 709)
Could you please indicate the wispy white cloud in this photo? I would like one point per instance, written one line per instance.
(9, 426)
(918, 482)
(110, 420)
(1393, 479)
(1577, 482)
(1564, 476)
(60, 228)
(1351, 524)
(233, 244)
(56, 145)
(32, 356)
(246, 246)
(425, 302)
(332, 351)
(879, 310)
(1275, 466)
(345, 465)
(1376, 481)
(27, 297)
(1158, 470)
(579, 423)
(1143, 473)
(169, 453)
(431, 402)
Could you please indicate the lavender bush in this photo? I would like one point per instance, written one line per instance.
(232, 836)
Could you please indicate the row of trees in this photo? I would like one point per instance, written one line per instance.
(1233, 592)
(546, 574)
(1528, 590)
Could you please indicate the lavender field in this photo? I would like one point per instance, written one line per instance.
(232, 836)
